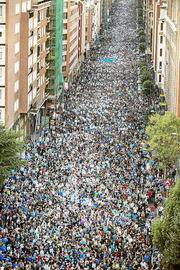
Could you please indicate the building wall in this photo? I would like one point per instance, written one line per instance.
(96, 19)
(89, 25)
(22, 71)
(172, 55)
(148, 17)
(71, 34)
(12, 61)
(166, 49)
(158, 41)
(82, 31)
(2, 59)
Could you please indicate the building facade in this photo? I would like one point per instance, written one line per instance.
(165, 47)
(158, 41)
(70, 39)
(42, 45)
(172, 55)
(148, 18)
(23, 64)
(55, 87)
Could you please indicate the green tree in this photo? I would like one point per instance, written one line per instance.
(142, 47)
(148, 87)
(142, 39)
(142, 63)
(10, 148)
(144, 69)
(164, 138)
(141, 32)
(145, 75)
(140, 13)
(166, 230)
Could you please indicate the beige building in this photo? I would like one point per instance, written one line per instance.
(165, 47)
(23, 66)
(148, 18)
(70, 39)
(158, 41)
(172, 55)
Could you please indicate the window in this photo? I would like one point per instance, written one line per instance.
(1, 71)
(64, 48)
(65, 15)
(162, 26)
(16, 86)
(0, 11)
(17, 9)
(0, 94)
(65, 37)
(24, 7)
(16, 105)
(1, 53)
(16, 47)
(161, 39)
(39, 16)
(160, 65)
(64, 58)
(16, 67)
(17, 28)
(161, 51)
(0, 33)
(160, 78)
(65, 26)
(29, 5)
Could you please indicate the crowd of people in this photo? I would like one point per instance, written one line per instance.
(90, 190)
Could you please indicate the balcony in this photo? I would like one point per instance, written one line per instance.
(41, 3)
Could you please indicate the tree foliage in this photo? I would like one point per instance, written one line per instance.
(10, 148)
(142, 39)
(142, 64)
(142, 47)
(148, 87)
(146, 75)
(141, 32)
(164, 138)
(166, 230)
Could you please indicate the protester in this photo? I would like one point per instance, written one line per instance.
(90, 190)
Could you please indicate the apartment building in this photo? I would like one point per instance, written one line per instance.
(172, 55)
(70, 39)
(82, 31)
(2, 60)
(23, 62)
(158, 41)
(10, 61)
(148, 18)
(55, 87)
(33, 64)
(89, 25)
(96, 19)
(165, 47)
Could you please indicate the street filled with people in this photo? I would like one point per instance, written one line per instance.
(90, 190)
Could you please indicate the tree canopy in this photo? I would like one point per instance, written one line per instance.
(166, 230)
(10, 148)
(148, 87)
(164, 138)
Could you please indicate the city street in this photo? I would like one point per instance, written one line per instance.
(90, 191)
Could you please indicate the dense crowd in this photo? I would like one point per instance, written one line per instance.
(87, 198)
